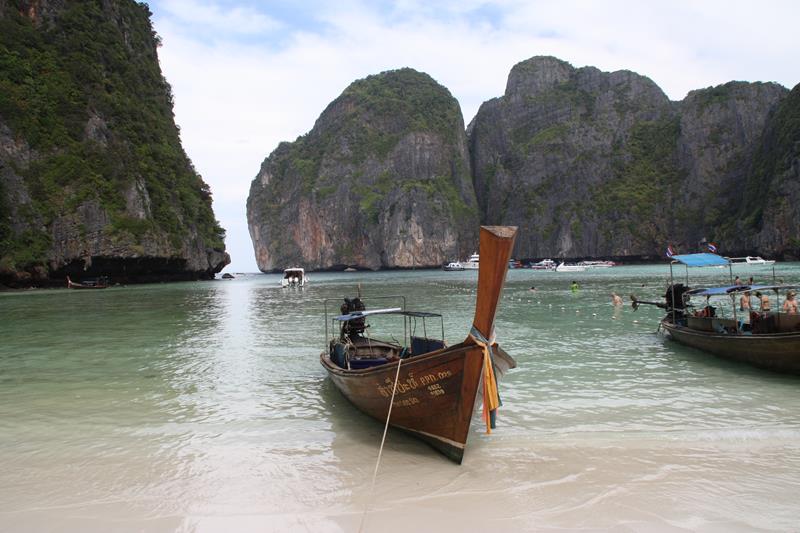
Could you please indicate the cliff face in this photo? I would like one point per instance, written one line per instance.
(93, 179)
(770, 205)
(594, 164)
(561, 155)
(381, 181)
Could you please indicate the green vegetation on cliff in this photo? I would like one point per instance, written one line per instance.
(780, 147)
(645, 171)
(83, 89)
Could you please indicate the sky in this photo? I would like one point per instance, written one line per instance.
(247, 75)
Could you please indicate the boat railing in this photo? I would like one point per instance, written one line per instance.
(338, 302)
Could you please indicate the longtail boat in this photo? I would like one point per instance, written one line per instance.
(99, 283)
(422, 386)
(757, 334)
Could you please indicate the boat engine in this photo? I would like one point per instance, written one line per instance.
(674, 298)
(354, 327)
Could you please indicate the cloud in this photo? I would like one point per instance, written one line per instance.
(252, 76)
(210, 19)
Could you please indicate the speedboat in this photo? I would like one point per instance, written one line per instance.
(562, 267)
(294, 277)
(472, 263)
(597, 264)
(453, 266)
(544, 264)
(752, 261)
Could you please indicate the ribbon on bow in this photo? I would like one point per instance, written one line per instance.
(491, 397)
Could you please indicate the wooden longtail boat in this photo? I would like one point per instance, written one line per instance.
(434, 388)
(99, 283)
(765, 338)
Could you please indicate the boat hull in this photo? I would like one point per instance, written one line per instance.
(779, 352)
(435, 396)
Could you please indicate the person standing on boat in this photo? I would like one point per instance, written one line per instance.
(763, 301)
(790, 305)
(744, 302)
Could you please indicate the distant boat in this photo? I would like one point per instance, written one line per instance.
(544, 264)
(294, 277)
(99, 283)
(767, 339)
(597, 264)
(471, 263)
(562, 267)
(419, 384)
(453, 266)
(751, 260)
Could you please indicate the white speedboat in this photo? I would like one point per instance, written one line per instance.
(544, 264)
(751, 260)
(597, 264)
(562, 267)
(453, 267)
(294, 277)
(471, 263)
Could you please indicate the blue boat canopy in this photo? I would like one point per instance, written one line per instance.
(715, 291)
(701, 260)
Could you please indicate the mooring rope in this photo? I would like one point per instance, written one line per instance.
(380, 450)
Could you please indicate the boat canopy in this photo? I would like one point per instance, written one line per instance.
(701, 260)
(388, 311)
(716, 291)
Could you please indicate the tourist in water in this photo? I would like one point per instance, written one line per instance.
(574, 287)
(616, 300)
(532, 289)
(737, 281)
(790, 305)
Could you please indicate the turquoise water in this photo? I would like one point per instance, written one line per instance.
(203, 407)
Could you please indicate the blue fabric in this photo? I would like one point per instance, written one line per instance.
(715, 291)
(701, 260)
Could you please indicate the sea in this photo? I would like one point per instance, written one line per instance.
(203, 407)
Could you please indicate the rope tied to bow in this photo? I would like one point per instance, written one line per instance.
(491, 396)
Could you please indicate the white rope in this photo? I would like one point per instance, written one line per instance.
(380, 451)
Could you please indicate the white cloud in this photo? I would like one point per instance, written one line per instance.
(214, 18)
(236, 99)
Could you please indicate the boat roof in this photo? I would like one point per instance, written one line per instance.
(715, 291)
(387, 311)
(701, 260)
(294, 269)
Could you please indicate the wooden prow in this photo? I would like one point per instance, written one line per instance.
(496, 243)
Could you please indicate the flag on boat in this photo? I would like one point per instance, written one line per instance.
(670, 251)
(712, 247)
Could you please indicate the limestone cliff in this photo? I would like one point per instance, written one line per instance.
(381, 181)
(93, 179)
(591, 163)
(575, 158)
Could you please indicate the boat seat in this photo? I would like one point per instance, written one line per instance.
(421, 345)
(338, 353)
(369, 362)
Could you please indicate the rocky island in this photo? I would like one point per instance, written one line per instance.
(381, 181)
(587, 163)
(93, 177)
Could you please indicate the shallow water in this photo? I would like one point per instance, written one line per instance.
(203, 407)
